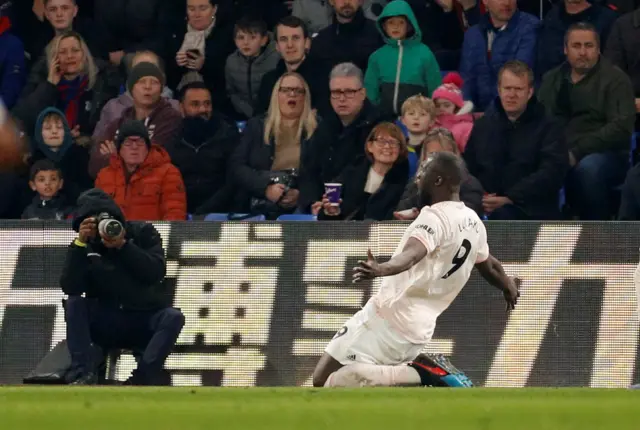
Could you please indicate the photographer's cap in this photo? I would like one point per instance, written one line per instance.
(132, 128)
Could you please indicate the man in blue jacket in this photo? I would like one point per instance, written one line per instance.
(503, 34)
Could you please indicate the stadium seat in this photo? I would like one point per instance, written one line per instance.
(297, 217)
(233, 217)
(444, 72)
(241, 126)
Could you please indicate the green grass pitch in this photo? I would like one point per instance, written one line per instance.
(118, 408)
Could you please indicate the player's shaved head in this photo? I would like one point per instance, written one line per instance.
(442, 177)
(449, 166)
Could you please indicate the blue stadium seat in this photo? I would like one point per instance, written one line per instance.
(189, 217)
(297, 217)
(444, 72)
(233, 217)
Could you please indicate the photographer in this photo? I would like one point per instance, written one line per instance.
(119, 266)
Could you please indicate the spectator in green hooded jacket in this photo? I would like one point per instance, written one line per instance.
(404, 66)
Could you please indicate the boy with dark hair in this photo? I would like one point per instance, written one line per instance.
(46, 180)
(255, 57)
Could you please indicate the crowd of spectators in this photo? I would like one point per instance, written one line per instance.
(182, 108)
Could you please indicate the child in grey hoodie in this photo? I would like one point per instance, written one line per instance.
(245, 68)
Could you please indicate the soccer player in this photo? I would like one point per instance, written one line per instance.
(381, 344)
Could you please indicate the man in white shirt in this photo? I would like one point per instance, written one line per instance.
(430, 267)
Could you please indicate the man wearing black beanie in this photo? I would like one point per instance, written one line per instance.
(163, 122)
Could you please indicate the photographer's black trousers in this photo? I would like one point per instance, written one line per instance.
(154, 332)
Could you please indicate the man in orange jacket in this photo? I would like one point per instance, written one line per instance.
(141, 179)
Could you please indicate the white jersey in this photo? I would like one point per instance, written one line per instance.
(456, 240)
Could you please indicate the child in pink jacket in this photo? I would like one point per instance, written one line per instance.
(452, 112)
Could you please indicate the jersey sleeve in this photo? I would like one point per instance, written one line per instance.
(428, 229)
(483, 245)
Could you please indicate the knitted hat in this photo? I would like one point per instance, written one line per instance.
(142, 70)
(450, 89)
(132, 128)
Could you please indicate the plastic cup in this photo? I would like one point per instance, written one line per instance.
(333, 191)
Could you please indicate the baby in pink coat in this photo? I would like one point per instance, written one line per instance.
(453, 113)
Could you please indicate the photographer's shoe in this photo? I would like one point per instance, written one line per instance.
(89, 378)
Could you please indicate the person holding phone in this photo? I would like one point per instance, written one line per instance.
(199, 50)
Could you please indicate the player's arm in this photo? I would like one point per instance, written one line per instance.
(492, 271)
(413, 251)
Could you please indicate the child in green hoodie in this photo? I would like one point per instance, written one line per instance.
(404, 66)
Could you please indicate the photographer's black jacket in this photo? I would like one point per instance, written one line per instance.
(130, 278)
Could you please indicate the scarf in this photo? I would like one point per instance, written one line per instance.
(5, 24)
(196, 39)
(70, 93)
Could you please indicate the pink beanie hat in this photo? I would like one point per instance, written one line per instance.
(450, 89)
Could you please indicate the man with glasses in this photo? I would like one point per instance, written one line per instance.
(341, 136)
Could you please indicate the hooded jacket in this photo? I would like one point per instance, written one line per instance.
(459, 124)
(154, 191)
(243, 76)
(72, 159)
(401, 68)
(130, 278)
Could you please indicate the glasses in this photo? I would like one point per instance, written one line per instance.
(349, 94)
(381, 143)
(134, 142)
(292, 91)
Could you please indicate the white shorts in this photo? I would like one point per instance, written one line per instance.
(367, 338)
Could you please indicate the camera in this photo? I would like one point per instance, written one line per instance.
(108, 226)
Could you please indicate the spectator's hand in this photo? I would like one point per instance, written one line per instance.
(572, 159)
(114, 242)
(491, 202)
(55, 74)
(290, 199)
(38, 10)
(195, 62)
(404, 216)
(315, 208)
(181, 59)
(329, 208)
(638, 105)
(88, 230)
(108, 147)
(75, 132)
(446, 5)
(116, 57)
(467, 4)
(274, 192)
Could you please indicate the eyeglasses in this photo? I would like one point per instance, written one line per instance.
(336, 94)
(292, 91)
(381, 143)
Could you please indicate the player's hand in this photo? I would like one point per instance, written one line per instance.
(367, 269)
(88, 230)
(512, 293)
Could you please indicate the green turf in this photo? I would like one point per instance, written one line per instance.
(301, 409)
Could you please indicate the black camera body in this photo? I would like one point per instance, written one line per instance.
(108, 226)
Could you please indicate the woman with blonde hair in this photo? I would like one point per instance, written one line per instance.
(265, 166)
(438, 139)
(373, 185)
(69, 78)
